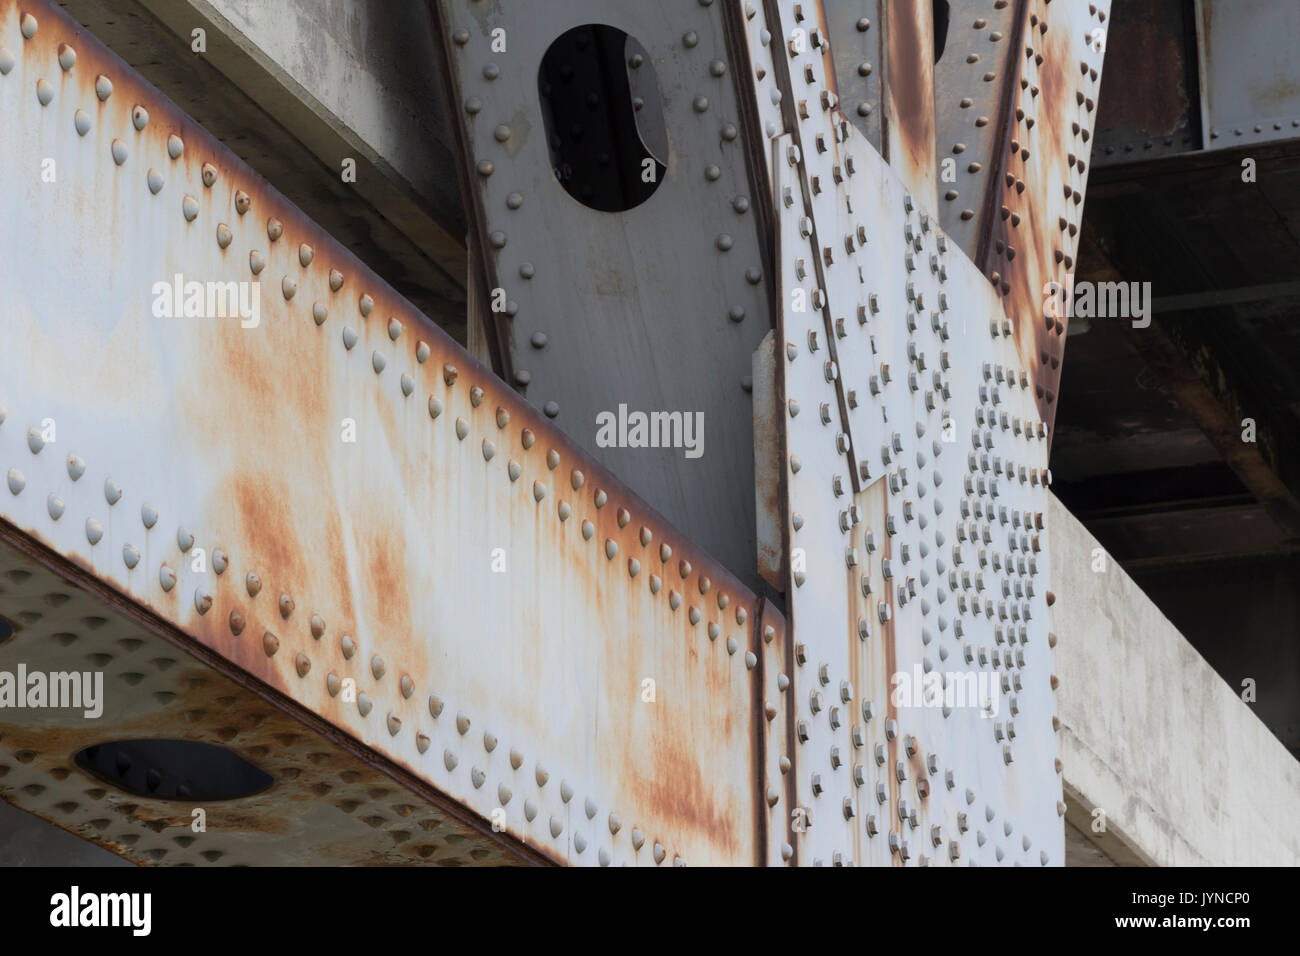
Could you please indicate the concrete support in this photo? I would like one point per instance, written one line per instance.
(1183, 770)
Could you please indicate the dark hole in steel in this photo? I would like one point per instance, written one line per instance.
(941, 15)
(603, 117)
(7, 629)
(173, 769)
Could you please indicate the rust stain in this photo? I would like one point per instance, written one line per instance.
(910, 89)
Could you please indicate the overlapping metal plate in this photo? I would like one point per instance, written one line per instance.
(397, 552)
(915, 472)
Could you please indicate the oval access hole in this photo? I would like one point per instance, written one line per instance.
(603, 116)
(173, 769)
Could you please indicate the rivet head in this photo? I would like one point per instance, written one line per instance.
(336, 280)
(253, 584)
(286, 605)
(224, 235)
(175, 146)
(364, 704)
(81, 122)
(462, 724)
(274, 229)
(94, 530)
(103, 87)
(288, 287)
(220, 561)
(148, 515)
(54, 506)
(7, 61)
(301, 664)
(189, 208)
(184, 540)
(365, 305)
(166, 578)
(243, 202)
(208, 174)
(270, 644)
(139, 117)
(155, 181)
(28, 25)
(118, 149)
(256, 263)
(202, 601)
(44, 92)
(112, 492)
(17, 482)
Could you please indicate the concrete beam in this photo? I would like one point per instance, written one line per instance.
(297, 87)
(1184, 771)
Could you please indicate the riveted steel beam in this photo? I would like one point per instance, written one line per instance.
(1030, 230)
(911, 498)
(615, 277)
(334, 520)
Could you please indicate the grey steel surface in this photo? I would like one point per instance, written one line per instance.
(1249, 75)
(657, 308)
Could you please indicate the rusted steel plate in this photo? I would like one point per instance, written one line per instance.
(1032, 230)
(653, 308)
(1149, 98)
(933, 567)
(908, 94)
(373, 505)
